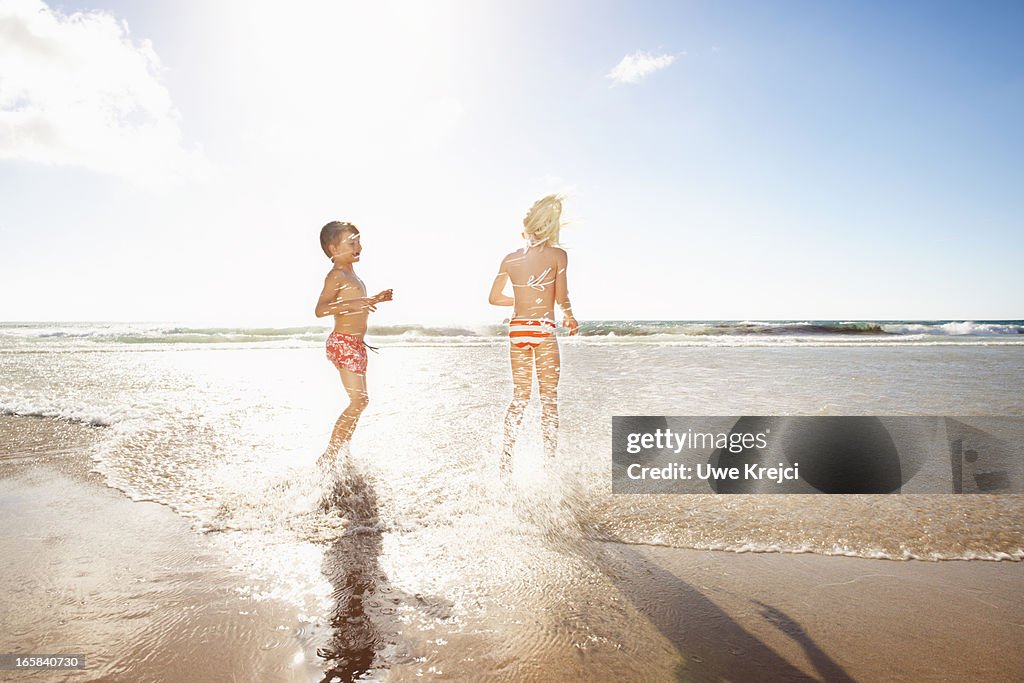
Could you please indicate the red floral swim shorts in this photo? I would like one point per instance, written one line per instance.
(347, 352)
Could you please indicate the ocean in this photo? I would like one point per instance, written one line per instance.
(223, 425)
(14, 335)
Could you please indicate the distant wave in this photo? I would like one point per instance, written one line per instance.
(727, 328)
(423, 331)
(749, 328)
(965, 328)
(23, 334)
(800, 328)
(141, 333)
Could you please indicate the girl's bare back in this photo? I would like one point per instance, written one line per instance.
(534, 273)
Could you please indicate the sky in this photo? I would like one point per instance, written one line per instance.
(175, 160)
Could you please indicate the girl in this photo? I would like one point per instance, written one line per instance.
(537, 273)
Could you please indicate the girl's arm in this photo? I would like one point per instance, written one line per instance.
(562, 293)
(498, 296)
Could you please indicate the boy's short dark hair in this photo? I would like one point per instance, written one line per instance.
(330, 233)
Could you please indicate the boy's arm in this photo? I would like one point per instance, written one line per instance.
(498, 296)
(562, 293)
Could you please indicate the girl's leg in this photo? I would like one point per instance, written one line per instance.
(521, 360)
(548, 369)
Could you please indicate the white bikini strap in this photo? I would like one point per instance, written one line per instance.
(535, 282)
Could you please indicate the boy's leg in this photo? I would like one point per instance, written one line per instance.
(548, 370)
(355, 387)
(521, 360)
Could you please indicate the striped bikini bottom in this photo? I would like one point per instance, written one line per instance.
(529, 332)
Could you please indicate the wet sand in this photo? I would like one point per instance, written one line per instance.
(792, 617)
(126, 584)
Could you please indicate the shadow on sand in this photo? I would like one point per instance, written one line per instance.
(363, 619)
(716, 647)
(352, 565)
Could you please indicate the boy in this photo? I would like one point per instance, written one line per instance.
(344, 297)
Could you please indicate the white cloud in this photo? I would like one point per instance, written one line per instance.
(77, 90)
(638, 66)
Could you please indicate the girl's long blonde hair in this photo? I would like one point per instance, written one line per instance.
(543, 221)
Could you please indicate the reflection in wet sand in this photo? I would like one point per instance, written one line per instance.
(351, 564)
(363, 618)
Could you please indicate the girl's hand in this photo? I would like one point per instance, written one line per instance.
(570, 322)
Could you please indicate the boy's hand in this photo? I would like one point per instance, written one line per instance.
(570, 322)
(382, 296)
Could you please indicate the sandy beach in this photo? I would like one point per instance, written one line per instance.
(788, 617)
(143, 597)
(127, 584)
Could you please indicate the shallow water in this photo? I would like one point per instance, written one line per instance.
(418, 559)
